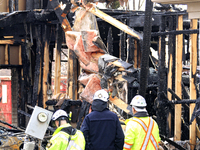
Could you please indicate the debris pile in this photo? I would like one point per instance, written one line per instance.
(99, 69)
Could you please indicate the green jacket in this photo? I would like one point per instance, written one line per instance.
(62, 140)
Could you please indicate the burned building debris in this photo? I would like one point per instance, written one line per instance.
(110, 49)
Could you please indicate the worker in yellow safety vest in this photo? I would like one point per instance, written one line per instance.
(142, 131)
(65, 137)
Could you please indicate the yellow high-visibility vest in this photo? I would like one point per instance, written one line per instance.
(63, 141)
(141, 134)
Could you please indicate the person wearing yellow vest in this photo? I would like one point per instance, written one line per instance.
(142, 132)
(65, 137)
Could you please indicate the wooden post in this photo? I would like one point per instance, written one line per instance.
(122, 45)
(46, 66)
(170, 70)
(58, 60)
(161, 119)
(135, 55)
(178, 79)
(20, 55)
(37, 66)
(6, 54)
(193, 69)
(110, 41)
(72, 75)
(146, 48)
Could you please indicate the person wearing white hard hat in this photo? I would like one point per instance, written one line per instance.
(65, 137)
(142, 131)
(101, 128)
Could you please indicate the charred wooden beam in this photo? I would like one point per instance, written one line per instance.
(122, 44)
(170, 72)
(110, 41)
(25, 60)
(174, 53)
(16, 5)
(58, 46)
(174, 94)
(11, 6)
(161, 119)
(61, 14)
(21, 100)
(172, 142)
(10, 66)
(46, 63)
(19, 17)
(27, 90)
(175, 32)
(10, 125)
(37, 65)
(137, 55)
(130, 49)
(183, 101)
(72, 75)
(9, 54)
(40, 89)
(146, 48)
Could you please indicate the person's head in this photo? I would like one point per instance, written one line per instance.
(138, 104)
(60, 117)
(100, 100)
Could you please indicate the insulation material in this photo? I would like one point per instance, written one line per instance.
(92, 86)
(84, 20)
(80, 52)
(84, 78)
(91, 67)
(88, 38)
(70, 37)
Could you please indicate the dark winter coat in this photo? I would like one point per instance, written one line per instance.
(102, 129)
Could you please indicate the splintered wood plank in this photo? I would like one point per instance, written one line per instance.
(58, 60)
(178, 79)
(120, 104)
(193, 69)
(72, 75)
(113, 21)
(45, 72)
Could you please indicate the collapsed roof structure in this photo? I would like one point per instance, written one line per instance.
(107, 49)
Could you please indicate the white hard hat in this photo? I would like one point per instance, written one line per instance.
(59, 113)
(101, 95)
(139, 103)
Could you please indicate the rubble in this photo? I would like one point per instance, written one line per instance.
(114, 65)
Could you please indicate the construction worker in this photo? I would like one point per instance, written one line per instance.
(65, 137)
(141, 130)
(101, 127)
